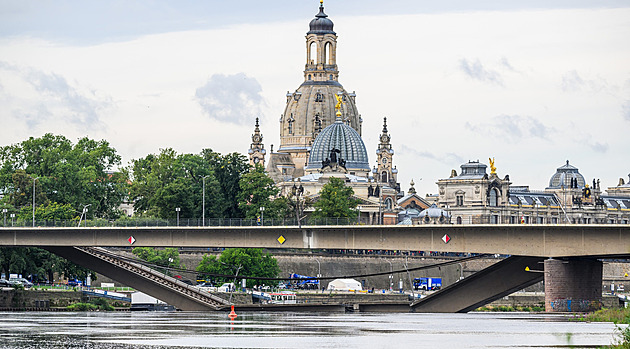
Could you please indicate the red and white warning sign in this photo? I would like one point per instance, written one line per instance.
(131, 240)
(446, 238)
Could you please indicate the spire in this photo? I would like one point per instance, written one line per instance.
(384, 125)
(412, 190)
(257, 148)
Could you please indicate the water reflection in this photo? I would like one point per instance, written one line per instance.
(301, 330)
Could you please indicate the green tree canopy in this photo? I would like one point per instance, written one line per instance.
(166, 181)
(165, 257)
(258, 190)
(251, 261)
(335, 200)
(39, 264)
(68, 174)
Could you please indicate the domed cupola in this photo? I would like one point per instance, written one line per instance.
(567, 176)
(341, 142)
(321, 24)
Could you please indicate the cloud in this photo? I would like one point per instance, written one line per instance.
(625, 110)
(448, 158)
(573, 82)
(515, 126)
(598, 146)
(477, 71)
(231, 98)
(49, 96)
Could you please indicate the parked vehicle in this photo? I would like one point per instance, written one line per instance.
(75, 282)
(427, 283)
(303, 282)
(21, 281)
(227, 287)
(5, 283)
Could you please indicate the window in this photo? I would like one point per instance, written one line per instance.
(459, 220)
(291, 125)
(540, 220)
(494, 219)
(312, 53)
(554, 220)
(493, 197)
(384, 177)
(309, 76)
(460, 200)
(388, 203)
(330, 77)
(512, 219)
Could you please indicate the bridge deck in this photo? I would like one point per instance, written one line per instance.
(525, 240)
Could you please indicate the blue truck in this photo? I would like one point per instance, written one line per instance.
(303, 282)
(427, 284)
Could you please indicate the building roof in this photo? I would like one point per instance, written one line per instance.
(616, 202)
(434, 212)
(533, 198)
(563, 176)
(321, 24)
(341, 137)
(471, 170)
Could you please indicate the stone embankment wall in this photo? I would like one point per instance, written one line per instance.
(36, 299)
(347, 265)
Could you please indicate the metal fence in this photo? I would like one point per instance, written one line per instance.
(182, 222)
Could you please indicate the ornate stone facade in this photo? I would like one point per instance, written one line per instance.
(257, 150)
(311, 108)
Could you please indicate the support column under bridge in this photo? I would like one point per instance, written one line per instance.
(573, 285)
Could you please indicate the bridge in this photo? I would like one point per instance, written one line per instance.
(565, 256)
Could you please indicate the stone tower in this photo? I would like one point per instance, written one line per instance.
(385, 172)
(311, 108)
(257, 149)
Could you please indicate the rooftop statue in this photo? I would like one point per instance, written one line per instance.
(493, 170)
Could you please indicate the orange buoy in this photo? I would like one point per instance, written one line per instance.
(232, 315)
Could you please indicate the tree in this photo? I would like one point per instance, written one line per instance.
(39, 264)
(250, 262)
(163, 182)
(258, 190)
(169, 180)
(228, 170)
(77, 175)
(166, 257)
(335, 200)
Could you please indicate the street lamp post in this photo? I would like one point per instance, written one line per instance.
(12, 216)
(262, 215)
(203, 202)
(4, 212)
(177, 210)
(319, 274)
(298, 192)
(84, 214)
(391, 275)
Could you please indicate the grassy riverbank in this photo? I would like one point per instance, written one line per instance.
(621, 317)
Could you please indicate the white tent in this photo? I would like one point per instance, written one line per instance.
(344, 285)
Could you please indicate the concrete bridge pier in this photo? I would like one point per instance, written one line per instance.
(573, 285)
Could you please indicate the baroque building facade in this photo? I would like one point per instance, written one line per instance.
(476, 197)
(320, 136)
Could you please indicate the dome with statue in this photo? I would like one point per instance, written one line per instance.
(339, 144)
(566, 176)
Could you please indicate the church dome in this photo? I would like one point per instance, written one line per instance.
(347, 140)
(321, 24)
(563, 176)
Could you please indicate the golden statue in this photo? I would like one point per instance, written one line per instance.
(493, 170)
(339, 100)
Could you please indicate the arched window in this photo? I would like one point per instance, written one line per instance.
(388, 203)
(312, 53)
(309, 76)
(459, 220)
(330, 77)
(327, 54)
(493, 197)
(384, 177)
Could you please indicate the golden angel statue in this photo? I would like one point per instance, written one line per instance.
(493, 170)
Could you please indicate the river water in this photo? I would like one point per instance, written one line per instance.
(114, 330)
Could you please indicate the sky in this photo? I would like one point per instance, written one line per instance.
(531, 85)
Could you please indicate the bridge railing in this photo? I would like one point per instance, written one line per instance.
(183, 222)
